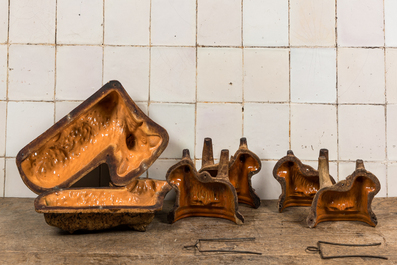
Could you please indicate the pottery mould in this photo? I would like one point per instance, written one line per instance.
(108, 128)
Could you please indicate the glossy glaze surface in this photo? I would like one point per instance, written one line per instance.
(140, 192)
(106, 124)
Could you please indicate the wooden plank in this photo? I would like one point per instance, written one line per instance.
(282, 238)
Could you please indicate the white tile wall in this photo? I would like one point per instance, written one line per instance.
(265, 23)
(173, 22)
(286, 74)
(127, 22)
(3, 71)
(360, 23)
(32, 21)
(3, 20)
(313, 75)
(129, 65)
(31, 72)
(219, 22)
(312, 22)
(173, 74)
(79, 22)
(266, 74)
(219, 74)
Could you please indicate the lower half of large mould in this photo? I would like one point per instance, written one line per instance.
(200, 194)
(102, 208)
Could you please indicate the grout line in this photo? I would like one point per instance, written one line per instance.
(55, 60)
(150, 66)
(385, 91)
(336, 89)
(242, 69)
(7, 85)
(195, 100)
(289, 77)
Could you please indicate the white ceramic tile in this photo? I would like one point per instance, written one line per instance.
(333, 168)
(378, 169)
(79, 72)
(266, 127)
(130, 66)
(32, 72)
(14, 186)
(361, 76)
(266, 75)
(222, 123)
(392, 180)
(265, 22)
(159, 170)
(392, 132)
(3, 20)
(143, 106)
(391, 77)
(173, 22)
(79, 21)
(390, 23)
(3, 71)
(32, 21)
(2, 163)
(313, 127)
(360, 23)
(312, 22)
(179, 121)
(313, 75)
(25, 122)
(219, 74)
(361, 132)
(3, 120)
(127, 22)
(219, 22)
(173, 74)
(64, 107)
(264, 184)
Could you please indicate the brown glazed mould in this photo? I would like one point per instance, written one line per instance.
(200, 194)
(347, 200)
(242, 166)
(299, 182)
(106, 128)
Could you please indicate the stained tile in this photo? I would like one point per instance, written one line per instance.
(130, 66)
(312, 23)
(32, 72)
(14, 186)
(127, 22)
(3, 21)
(265, 22)
(266, 74)
(266, 127)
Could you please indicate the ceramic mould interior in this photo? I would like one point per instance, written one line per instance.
(200, 194)
(106, 128)
(299, 182)
(347, 200)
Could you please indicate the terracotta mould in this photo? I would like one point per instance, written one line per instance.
(299, 182)
(106, 128)
(200, 194)
(242, 166)
(347, 200)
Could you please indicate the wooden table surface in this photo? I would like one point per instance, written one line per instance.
(282, 238)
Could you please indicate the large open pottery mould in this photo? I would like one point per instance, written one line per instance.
(106, 128)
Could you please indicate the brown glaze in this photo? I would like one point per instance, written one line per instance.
(106, 128)
(242, 166)
(139, 193)
(200, 194)
(347, 200)
(299, 182)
